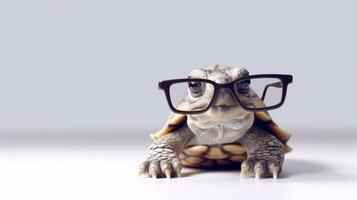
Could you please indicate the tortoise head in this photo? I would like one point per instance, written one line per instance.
(224, 106)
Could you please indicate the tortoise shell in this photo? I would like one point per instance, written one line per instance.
(208, 156)
(221, 154)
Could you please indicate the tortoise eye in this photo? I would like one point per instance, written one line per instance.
(242, 87)
(196, 88)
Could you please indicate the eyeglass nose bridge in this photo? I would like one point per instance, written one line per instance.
(224, 89)
(224, 85)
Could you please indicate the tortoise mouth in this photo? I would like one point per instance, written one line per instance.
(225, 112)
(222, 108)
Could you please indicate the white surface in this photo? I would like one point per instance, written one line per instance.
(322, 166)
(80, 64)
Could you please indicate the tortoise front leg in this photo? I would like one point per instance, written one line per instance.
(265, 154)
(163, 159)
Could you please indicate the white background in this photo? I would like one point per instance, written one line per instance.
(79, 97)
(76, 64)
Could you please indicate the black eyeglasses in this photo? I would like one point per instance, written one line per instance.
(254, 93)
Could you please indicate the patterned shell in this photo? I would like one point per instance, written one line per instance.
(221, 154)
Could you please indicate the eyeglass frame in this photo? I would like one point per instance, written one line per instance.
(286, 79)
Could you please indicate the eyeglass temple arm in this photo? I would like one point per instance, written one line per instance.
(278, 84)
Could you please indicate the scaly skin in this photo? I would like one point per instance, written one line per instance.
(163, 159)
(265, 153)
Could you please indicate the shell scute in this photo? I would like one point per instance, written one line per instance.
(215, 153)
(195, 150)
(236, 149)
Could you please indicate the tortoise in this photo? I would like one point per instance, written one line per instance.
(228, 130)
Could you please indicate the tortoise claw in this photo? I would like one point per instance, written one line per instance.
(154, 169)
(143, 167)
(273, 170)
(166, 168)
(244, 172)
(168, 173)
(258, 170)
(176, 163)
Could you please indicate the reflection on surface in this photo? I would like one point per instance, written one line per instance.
(317, 156)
